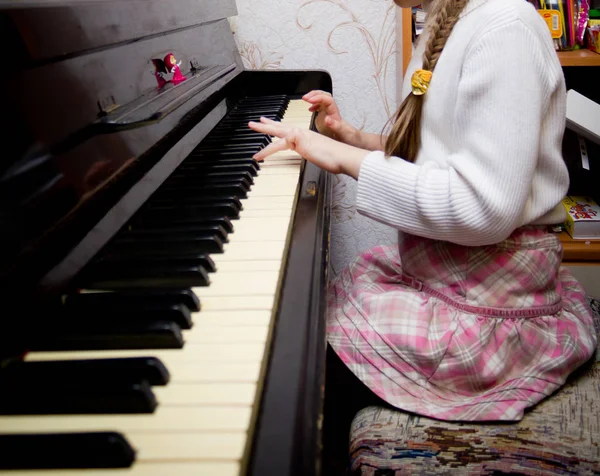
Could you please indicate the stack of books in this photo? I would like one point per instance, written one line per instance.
(583, 213)
(583, 217)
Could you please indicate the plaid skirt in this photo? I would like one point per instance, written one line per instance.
(462, 333)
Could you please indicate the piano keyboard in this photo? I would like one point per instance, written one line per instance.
(196, 414)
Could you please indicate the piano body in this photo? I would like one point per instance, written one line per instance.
(163, 293)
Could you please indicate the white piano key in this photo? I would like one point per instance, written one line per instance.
(250, 266)
(205, 372)
(166, 418)
(275, 213)
(176, 468)
(236, 303)
(233, 284)
(199, 394)
(191, 446)
(213, 334)
(263, 203)
(250, 352)
(263, 228)
(275, 190)
(251, 250)
(232, 318)
(284, 169)
(273, 185)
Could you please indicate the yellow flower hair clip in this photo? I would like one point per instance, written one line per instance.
(420, 81)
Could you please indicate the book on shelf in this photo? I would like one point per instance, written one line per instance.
(583, 217)
(419, 17)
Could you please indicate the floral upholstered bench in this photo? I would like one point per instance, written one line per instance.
(559, 436)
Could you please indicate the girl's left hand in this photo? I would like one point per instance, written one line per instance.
(326, 153)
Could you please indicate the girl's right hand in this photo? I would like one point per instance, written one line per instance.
(328, 120)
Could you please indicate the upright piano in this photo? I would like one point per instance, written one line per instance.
(162, 292)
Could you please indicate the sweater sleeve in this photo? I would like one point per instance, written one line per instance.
(478, 195)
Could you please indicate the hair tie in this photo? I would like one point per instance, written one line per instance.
(420, 81)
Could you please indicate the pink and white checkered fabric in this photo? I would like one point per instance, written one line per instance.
(462, 333)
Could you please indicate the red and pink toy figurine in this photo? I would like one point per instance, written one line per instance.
(173, 67)
(168, 65)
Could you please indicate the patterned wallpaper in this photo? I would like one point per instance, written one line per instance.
(354, 40)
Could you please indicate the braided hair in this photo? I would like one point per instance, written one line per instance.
(404, 139)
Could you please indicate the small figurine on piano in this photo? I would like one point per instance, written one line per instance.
(166, 66)
(173, 67)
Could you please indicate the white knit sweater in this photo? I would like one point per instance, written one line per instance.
(493, 120)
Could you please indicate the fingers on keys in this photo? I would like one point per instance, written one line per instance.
(271, 149)
(267, 126)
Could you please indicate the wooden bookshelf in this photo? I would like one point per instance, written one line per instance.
(579, 251)
(583, 57)
(579, 58)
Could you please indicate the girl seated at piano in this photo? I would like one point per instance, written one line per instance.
(470, 317)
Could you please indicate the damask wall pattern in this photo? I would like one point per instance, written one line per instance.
(354, 40)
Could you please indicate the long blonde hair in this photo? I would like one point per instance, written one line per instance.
(404, 138)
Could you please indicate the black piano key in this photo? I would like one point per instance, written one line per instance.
(151, 262)
(212, 210)
(222, 149)
(110, 336)
(135, 369)
(148, 221)
(140, 297)
(211, 203)
(34, 398)
(206, 164)
(249, 116)
(148, 313)
(189, 231)
(228, 168)
(234, 129)
(243, 131)
(113, 275)
(142, 243)
(229, 189)
(242, 119)
(236, 112)
(226, 145)
(250, 112)
(65, 451)
(223, 132)
(184, 198)
(200, 180)
(208, 176)
(226, 132)
(245, 153)
(230, 157)
(236, 139)
(208, 161)
(260, 99)
(257, 101)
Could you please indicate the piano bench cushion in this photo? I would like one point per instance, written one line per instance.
(560, 435)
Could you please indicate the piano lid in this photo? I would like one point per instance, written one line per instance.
(85, 117)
